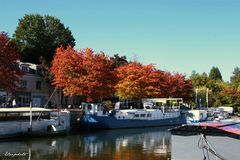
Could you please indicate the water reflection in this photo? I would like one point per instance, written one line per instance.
(128, 144)
(147, 143)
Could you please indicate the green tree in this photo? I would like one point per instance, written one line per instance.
(216, 87)
(119, 61)
(235, 79)
(38, 36)
(215, 74)
(199, 80)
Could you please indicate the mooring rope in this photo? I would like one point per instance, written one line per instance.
(205, 145)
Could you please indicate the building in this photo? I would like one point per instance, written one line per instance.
(34, 88)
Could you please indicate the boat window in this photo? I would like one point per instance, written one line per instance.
(45, 114)
(149, 115)
(35, 114)
(28, 114)
(136, 115)
(147, 107)
(2, 114)
(24, 114)
(142, 115)
(12, 114)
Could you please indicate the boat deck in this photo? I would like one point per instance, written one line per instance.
(228, 128)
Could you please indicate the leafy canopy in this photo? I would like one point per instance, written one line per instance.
(235, 79)
(199, 80)
(38, 37)
(137, 81)
(83, 72)
(215, 74)
(9, 71)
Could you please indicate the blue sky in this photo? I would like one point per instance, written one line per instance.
(175, 35)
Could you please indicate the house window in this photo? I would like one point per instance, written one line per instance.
(23, 100)
(24, 68)
(39, 71)
(24, 84)
(38, 85)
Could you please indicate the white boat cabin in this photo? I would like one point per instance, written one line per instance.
(19, 121)
(153, 109)
(23, 113)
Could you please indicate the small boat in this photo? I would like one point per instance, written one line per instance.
(155, 112)
(210, 114)
(223, 128)
(196, 115)
(229, 128)
(28, 121)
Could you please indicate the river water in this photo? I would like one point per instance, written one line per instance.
(124, 144)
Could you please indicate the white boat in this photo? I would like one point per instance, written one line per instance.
(218, 114)
(155, 112)
(196, 115)
(15, 122)
(229, 110)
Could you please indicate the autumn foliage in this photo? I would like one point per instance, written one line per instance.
(176, 85)
(83, 72)
(9, 71)
(137, 81)
(91, 74)
(142, 81)
(230, 96)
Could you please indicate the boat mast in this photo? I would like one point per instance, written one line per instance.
(196, 98)
(60, 105)
(207, 97)
(45, 106)
(163, 109)
(30, 123)
(29, 153)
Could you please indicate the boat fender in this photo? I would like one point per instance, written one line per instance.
(54, 128)
(51, 128)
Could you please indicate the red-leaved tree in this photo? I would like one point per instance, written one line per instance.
(137, 81)
(176, 85)
(83, 72)
(9, 71)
